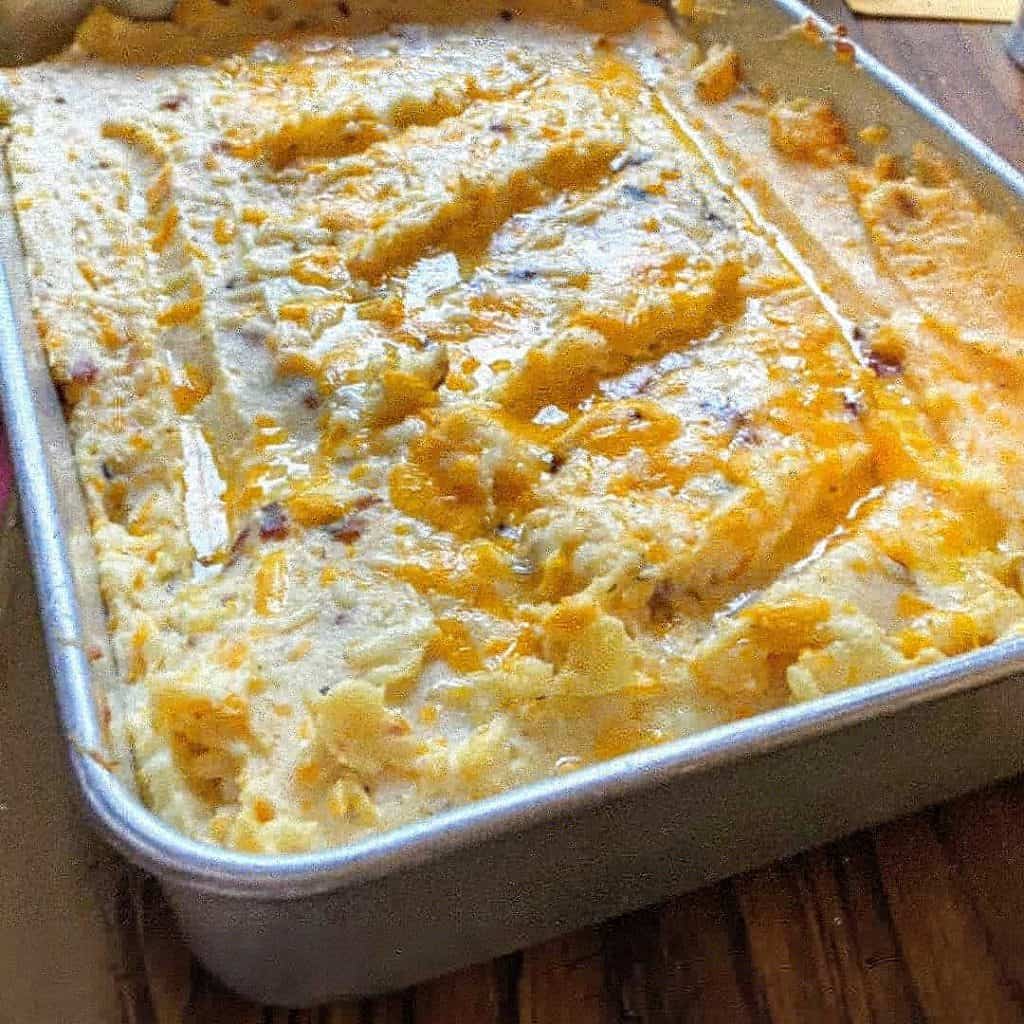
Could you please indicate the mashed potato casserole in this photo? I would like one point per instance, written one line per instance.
(460, 402)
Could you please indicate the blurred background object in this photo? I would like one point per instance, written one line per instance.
(940, 10)
(30, 29)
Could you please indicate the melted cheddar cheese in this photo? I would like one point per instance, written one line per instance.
(465, 395)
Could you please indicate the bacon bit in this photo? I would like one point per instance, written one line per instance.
(661, 603)
(885, 364)
(845, 51)
(343, 9)
(173, 102)
(852, 402)
(94, 652)
(907, 203)
(84, 371)
(350, 528)
(238, 545)
(365, 501)
(274, 523)
(553, 461)
(311, 400)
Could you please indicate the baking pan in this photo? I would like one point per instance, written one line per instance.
(494, 876)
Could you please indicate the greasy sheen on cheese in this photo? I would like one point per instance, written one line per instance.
(464, 395)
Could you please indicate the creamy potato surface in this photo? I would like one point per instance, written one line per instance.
(463, 395)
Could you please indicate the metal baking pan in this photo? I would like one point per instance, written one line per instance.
(506, 872)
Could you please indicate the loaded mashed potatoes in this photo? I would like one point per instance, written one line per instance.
(465, 397)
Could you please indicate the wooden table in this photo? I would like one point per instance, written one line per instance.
(919, 920)
(961, 66)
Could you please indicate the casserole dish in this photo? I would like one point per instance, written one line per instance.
(499, 873)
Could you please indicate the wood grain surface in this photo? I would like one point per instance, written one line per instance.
(963, 67)
(918, 920)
